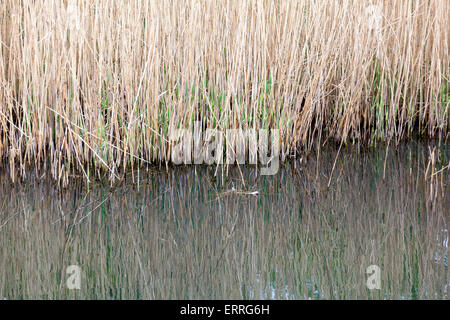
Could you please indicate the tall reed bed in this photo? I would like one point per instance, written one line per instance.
(97, 86)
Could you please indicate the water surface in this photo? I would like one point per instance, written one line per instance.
(186, 233)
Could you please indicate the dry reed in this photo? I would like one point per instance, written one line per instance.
(89, 87)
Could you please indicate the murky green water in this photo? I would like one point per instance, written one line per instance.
(185, 234)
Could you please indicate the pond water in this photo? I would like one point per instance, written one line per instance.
(309, 232)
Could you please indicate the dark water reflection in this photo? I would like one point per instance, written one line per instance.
(187, 234)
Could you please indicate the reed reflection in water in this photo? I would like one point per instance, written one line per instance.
(185, 234)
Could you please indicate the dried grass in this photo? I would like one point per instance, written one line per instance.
(90, 87)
